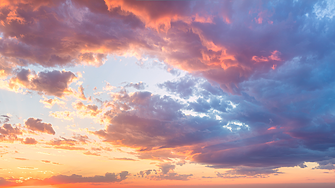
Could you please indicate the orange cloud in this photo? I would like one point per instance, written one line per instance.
(273, 57)
(48, 103)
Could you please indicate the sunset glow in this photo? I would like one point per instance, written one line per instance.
(137, 93)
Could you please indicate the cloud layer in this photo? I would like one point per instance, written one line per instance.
(258, 94)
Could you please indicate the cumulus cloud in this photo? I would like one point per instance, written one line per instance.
(37, 125)
(263, 129)
(29, 141)
(9, 132)
(50, 83)
(144, 120)
(139, 85)
(86, 110)
(272, 63)
(221, 41)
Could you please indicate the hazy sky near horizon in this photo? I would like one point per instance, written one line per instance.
(167, 93)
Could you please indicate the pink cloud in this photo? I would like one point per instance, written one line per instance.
(37, 125)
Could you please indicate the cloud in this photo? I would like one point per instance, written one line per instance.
(149, 121)
(53, 83)
(49, 162)
(29, 141)
(4, 182)
(166, 167)
(4, 118)
(326, 164)
(48, 103)
(233, 131)
(183, 87)
(139, 85)
(9, 133)
(63, 115)
(216, 40)
(65, 179)
(165, 172)
(272, 64)
(69, 144)
(108, 177)
(123, 159)
(21, 159)
(92, 153)
(86, 110)
(8, 129)
(249, 172)
(37, 125)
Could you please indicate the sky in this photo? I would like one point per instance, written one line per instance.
(203, 93)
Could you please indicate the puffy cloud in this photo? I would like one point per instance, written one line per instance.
(29, 141)
(272, 63)
(37, 125)
(139, 85)
(7, 129)
(166, 167)
(219, 40)
(9, 132)
(48, 103)
(50, 83)
(86, 110)
(184, 87)
(279, 120)
(143, 120)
